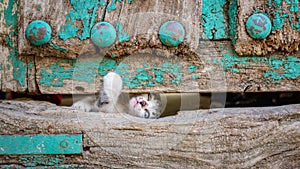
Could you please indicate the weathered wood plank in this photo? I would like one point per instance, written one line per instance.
(214, 68)
(141, 21)
(217, 138)
(138, 55)
(71, 22)
(13, 68)
(285, 34)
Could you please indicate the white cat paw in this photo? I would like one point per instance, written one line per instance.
(80, 105)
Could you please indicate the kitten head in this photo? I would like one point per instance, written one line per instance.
(145, 106)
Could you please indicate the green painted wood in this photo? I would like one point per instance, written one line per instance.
(41, 144)
(214, 20)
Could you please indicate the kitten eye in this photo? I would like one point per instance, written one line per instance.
(102, 103)
(143, 103)
(147, 114)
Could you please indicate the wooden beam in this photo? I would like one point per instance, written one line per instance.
(214, 67)
(215, 138)
(206, 61)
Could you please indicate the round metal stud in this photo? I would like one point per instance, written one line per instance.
(38, 32)
(64, 144)
(171, 33)
(258, 26)
(103, 34)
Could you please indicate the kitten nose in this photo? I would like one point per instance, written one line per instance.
(143, 103)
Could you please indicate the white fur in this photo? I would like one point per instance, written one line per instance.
(112, 84)
(86, 104)
(112, 87)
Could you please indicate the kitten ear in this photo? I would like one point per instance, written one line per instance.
(151, 96)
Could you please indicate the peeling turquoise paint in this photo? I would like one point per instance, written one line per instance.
(230, 59)
(41, 144)
(8, 66)
(294, 6)
(11, 21)
(11, 15)
(39, 8)
(71, 166)
(173, 69)
(277, 4)
(55, 46)
(141, 76)
(9, 167)
(122, 36)
(86, 13)
(192, 69)
(33, 161)
(232, 13)
(194, 77)
(149, 77)
(297, 26)
(85, 71)
(59, 166)
(106, 66)
(287, 68)
(279, 68)
(214, 19)
(280, 17)
(113, 4)
(279, 20)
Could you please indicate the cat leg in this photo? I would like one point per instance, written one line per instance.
(86, 104)
(109, 95)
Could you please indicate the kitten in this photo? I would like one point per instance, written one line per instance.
(111, 100)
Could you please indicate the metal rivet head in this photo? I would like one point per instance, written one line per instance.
(64, 144)
(171, 33)
(258, 26)
(38, 32)
(103, 34)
